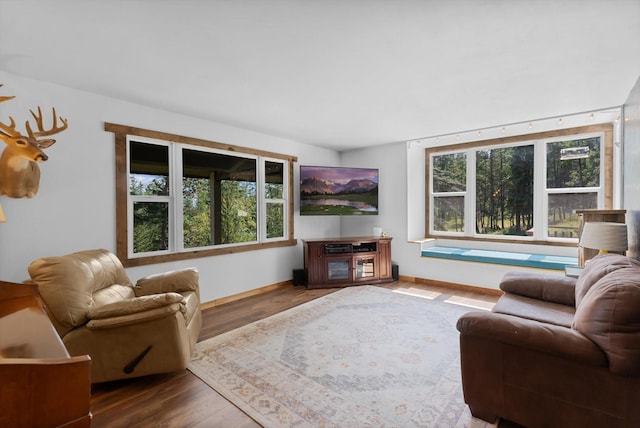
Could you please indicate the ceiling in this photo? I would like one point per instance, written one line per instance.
(341, 74)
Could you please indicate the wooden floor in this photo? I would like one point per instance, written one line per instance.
(183, 400)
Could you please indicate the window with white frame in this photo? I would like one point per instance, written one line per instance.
(191, 198)
(519, 188)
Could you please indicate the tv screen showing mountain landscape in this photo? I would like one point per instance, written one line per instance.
(338, 191)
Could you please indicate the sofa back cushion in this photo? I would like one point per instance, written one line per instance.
(597, 268)
(609, 315)
(67, 283)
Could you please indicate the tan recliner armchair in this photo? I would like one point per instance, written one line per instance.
(127, 330)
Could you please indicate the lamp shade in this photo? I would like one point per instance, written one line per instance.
(604, 236)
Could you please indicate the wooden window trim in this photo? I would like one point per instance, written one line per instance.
(122, 188)
(606, 129)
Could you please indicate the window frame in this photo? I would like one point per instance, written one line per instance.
(123, 133)
(264, 201)
(158, 199)
(540, 141)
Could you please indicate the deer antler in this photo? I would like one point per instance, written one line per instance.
(41, 131)
(6, 98)
(9, 130)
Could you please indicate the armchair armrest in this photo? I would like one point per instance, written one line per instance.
(534, 335)
(177, 281)
(136, 310)
(550, 288)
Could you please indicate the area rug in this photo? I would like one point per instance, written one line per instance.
(363, 356)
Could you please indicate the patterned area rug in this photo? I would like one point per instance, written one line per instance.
(360, 357)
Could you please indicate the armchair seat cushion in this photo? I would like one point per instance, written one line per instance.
(137, 318)
(135, 305)
(112, 293)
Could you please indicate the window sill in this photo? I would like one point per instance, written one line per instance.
(540, 261)
(127, 262)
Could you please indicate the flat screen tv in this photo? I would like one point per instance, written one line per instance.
(328, 190)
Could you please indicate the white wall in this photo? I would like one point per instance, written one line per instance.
(75, 207)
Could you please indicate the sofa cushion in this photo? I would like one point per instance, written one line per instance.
(595, 269)
(135, 305)
(609, 315)
(550, 288)
(111, 294)
(67, 283)
(535, 309)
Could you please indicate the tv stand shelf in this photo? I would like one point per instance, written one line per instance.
(341, 262)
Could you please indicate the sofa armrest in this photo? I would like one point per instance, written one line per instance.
(550, 288)
(534, 335)
(177, 281)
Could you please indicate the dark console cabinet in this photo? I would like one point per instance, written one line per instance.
(341, 262)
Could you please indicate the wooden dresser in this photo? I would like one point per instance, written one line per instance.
(40, 384)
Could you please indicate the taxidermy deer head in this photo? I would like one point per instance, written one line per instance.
(19, 171)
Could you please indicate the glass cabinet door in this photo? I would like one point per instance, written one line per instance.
(339, 269)
(365, 267)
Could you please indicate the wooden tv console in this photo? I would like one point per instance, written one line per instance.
(40, 384)
(341, 262)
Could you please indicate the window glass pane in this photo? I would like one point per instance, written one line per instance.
(150, 226)
(448, 214)
(148, 169)
(450, 173)
(219, 194)
(274, 180)
(574, 163)
(196, 211)
(563, 220)
(504, 190)
(238, 212)
(275, 220)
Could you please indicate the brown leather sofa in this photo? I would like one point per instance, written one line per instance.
(558, 351)
(127, 330)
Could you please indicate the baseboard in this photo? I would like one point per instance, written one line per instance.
(453, 285)
(266, 288)
(244, 294)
